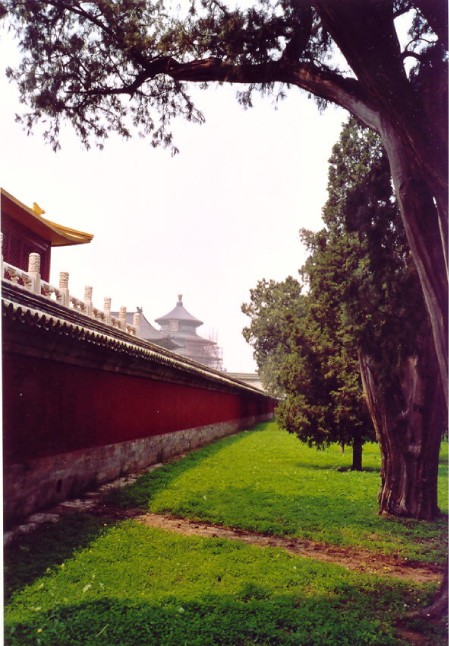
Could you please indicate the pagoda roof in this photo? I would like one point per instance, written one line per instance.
(149, 332)
(179, 313)
(31, 218)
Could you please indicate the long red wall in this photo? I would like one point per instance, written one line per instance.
(51, 407)
(84, 404)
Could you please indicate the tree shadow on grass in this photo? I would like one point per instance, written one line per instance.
(362, 470)
(30, 555)
(254, 615)
(340, 468)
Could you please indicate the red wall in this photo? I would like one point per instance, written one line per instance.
(52, 407)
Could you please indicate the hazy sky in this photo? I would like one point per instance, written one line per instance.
(207, 223)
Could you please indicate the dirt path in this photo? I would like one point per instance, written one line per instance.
(353, 559)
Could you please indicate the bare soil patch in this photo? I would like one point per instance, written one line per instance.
(359, 560)
(351, 558)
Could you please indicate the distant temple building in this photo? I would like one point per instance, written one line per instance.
(181, 326)
(148, 332)
(25, 231)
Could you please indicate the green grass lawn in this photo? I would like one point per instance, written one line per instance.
(137, 585)
(93, 581)
(267, 481)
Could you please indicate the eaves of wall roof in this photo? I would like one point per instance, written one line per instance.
(74, 337)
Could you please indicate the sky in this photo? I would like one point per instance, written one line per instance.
(208, 223)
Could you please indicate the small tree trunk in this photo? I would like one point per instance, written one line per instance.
(357, 447)
(409, 419)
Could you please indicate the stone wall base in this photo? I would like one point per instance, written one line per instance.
(41, 483)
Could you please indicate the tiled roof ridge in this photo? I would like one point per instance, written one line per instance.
(117, 341)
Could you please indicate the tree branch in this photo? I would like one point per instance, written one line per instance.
(320, 82)
(436, 14)
(323, 83)
(301, 36)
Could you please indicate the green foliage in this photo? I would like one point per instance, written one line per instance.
(275, 309)
(120, 66)
(86, 60)
(300, 361)
(136, 585)
(266, 481)
(92, 581)
(103, 65)
(360, 271)
(304, 343)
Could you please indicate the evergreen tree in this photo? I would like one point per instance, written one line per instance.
(304, 362)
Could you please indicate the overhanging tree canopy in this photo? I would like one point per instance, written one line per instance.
(110, 65)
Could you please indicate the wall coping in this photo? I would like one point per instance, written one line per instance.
(36, 312)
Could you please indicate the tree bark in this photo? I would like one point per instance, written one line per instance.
(409, 417)
(426, 238)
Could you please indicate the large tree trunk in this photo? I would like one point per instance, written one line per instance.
(427, 240)
(409, 417)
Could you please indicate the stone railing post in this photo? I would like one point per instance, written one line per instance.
(136, 323)
(88, 300)
(64, 288)
(107, 310)
(122, 318)
(34, 271)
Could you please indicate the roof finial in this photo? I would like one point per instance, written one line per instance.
(179, 299)
(37, 209)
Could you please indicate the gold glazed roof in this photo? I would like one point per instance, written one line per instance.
(56, 234)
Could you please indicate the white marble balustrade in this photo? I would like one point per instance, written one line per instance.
(31, 281)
